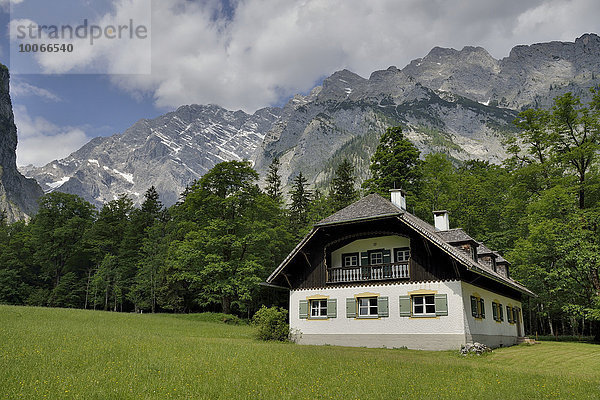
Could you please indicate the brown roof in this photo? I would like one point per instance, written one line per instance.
(483, 249)
(371, 206)
(456, 235)
(374, 206)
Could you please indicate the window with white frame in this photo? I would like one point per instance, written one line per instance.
(318, 308)
(423, 305)
(350, 260)
(367, 307)
(402, 255)
(375, 257)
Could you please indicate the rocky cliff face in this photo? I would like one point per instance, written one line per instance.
(461, 102)
(458, 102)
(168, 152)
(18, 195)
(531, 76)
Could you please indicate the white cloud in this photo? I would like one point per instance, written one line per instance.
(271, 49)
(19, 88)
(5, 4)
(41, 141)
(118, 42)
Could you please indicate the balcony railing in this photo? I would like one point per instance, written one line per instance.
(368, 273)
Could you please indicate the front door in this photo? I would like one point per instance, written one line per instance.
(519, 331)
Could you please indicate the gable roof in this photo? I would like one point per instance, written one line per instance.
(371, 206)
(484, 250)
(456, 235)
(374, 206)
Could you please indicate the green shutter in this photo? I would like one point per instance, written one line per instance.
(382, 307)
(303, 309)
(332, 308)
(474, 307)
(441, 304)
(404, 306)
(350, 307)
(482, 315)
(364, 258)
(495, 311)
(508, 315)
(387, 256)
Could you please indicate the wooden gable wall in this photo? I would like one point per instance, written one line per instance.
(427, 262)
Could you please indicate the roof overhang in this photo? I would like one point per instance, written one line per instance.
(407, 219)
(290, 256)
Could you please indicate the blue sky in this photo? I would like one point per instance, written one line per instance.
(245, 54)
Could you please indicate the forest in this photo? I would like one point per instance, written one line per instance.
(210, 251)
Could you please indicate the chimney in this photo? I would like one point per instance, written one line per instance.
(398, 198)
(440, 220)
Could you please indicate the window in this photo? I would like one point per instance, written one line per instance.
(402, 255)
(318, 308)
(509, 315)
(497, 312)
(350, 260)
(477, 307)
(481, 308)
(375, 257)
(367, 306)
(423, 305)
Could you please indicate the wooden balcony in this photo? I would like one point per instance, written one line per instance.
(378, 272)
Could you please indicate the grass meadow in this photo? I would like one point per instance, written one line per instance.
(60, 353)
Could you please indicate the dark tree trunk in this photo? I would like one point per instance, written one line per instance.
(226, 304)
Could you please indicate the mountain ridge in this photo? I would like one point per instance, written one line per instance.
(461, 102)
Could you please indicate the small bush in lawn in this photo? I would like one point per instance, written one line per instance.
(271, 323)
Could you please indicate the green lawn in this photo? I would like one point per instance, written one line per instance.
(57, 353)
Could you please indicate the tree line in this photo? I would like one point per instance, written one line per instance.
(211, 250)
(208, 252)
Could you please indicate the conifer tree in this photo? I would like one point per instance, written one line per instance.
(300, 203)
(273, 180)
(343, 192)
(395, 164)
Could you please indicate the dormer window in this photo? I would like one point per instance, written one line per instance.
(474, 253)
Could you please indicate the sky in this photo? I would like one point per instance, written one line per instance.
(239, 54)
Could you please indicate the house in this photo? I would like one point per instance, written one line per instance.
(375, 275)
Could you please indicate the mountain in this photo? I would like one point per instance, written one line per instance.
(347, 114)
(461, 102)
(169, 152)
(458, 102)
(18, 195)
(531, 76)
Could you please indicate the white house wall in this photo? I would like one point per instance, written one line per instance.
(487, 330)
(394, 331)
